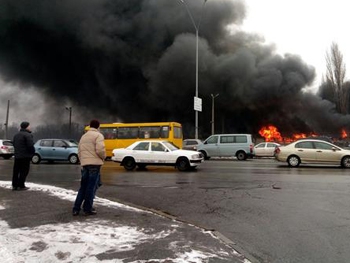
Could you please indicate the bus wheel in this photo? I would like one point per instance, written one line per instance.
(182, 164)
(129, 163)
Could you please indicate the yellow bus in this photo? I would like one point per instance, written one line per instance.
(121, 135)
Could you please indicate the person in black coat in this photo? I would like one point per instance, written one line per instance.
(24, 150)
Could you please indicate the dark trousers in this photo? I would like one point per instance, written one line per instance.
(90, 175)
(20, 172)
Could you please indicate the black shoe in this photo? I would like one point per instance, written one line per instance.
(23, 188)
(75, 213)
(14, 188)
(90, 213)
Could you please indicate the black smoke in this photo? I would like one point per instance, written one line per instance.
(134, 61)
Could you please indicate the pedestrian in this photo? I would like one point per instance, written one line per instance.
(24, 151)
(91, 151)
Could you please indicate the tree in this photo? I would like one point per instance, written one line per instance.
(335, 79)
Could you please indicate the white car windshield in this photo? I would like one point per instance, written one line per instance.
(171, 146)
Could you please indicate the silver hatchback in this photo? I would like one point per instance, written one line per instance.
(6, 149)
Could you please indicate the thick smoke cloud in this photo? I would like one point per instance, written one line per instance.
(135, 61)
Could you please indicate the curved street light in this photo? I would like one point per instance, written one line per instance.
(196, 27)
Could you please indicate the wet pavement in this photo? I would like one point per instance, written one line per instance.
(37, 226)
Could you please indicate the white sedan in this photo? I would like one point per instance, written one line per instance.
(311, 151)
(150, 152)
(265, 149)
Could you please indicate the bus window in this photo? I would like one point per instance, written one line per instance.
(128, 132)
(109, 133)
(164, 132)
(149, 132)
(178, 132)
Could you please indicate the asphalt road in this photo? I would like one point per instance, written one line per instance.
(273, 212)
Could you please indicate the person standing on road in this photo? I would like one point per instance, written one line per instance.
(91, 151)
(24, 150)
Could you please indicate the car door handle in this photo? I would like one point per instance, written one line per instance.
(300, 150)
(319, 151)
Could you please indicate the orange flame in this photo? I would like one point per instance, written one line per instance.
(270, 133)
(343, 134)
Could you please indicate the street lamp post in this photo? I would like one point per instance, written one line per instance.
(196, 27)
(7, 119)
(212, 113)
(70, 120)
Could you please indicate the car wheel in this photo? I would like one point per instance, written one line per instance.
(183, 164)
(129, 163)
(205, 156)
(36, 159)
(241, 156)
(73, 159)
(293, 161)
(345, 162)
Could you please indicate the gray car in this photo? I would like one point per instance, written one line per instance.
(191, 144)
(55, 150)
(6, 149)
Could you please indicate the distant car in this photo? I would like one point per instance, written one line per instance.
(265, 149)
(151, 152)
(6, 149)
(55, 150)
(191, 144)
(313, 152)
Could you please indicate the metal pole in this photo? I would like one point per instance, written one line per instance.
(196, 112)
(197, 32)
(7, 119)
(212, 113)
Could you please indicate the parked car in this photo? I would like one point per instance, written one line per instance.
(191, 144)
(227, 145)
(150, 152)
(55, 150)
(265, 149)
(6, 149)
(312, 152)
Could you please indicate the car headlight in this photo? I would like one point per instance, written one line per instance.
(196, 156)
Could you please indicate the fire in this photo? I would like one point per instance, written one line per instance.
(343, 134)
(270, 133)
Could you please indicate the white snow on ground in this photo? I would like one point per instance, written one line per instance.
(80, 241)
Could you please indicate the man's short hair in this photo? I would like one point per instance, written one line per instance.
(94, 124)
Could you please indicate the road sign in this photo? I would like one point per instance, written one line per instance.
(197, 104)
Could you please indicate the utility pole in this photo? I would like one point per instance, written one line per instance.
(7, 119)
(197, 100)
(212, 113)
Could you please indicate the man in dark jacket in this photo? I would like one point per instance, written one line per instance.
(24, 150)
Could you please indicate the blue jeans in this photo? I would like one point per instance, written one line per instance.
(90, 175)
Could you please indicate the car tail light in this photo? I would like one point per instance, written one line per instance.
(277, 150)
(4, 147)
